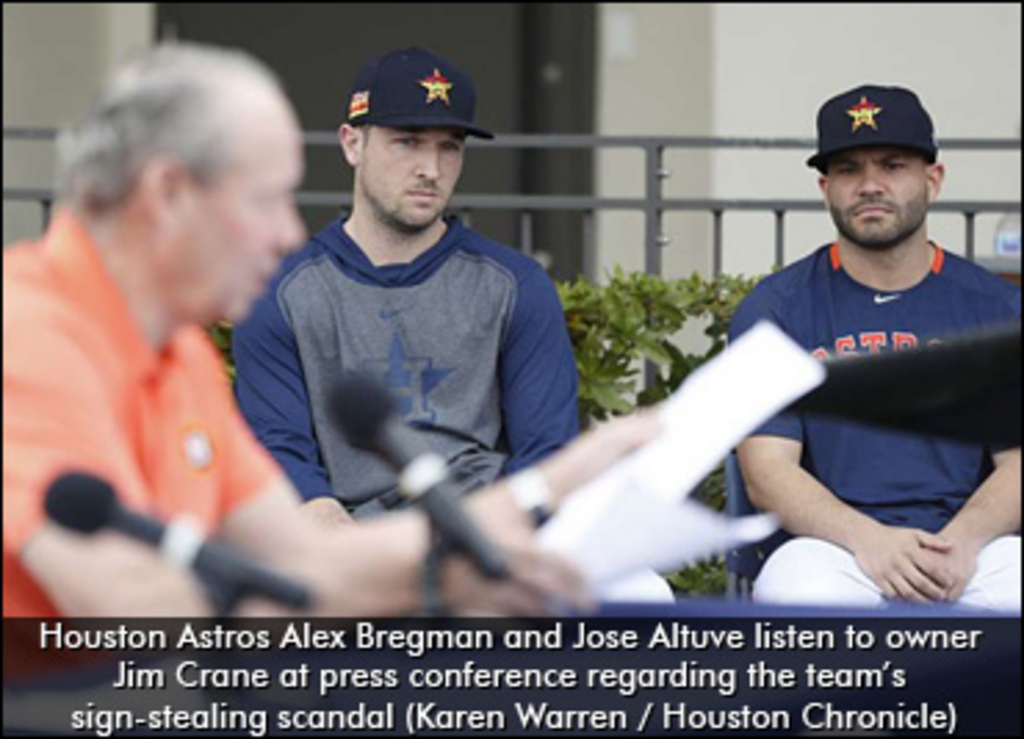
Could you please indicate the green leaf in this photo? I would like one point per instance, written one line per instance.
(653, 350)
(610, 398)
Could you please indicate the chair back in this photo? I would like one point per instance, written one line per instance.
(743, 564)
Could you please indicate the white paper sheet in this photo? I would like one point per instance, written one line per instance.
(642, 586)
(636, 515)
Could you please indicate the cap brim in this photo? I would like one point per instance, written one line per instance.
(820, 160)
(425, 122)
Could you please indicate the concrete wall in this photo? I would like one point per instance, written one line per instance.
(701, 69)
(654, 78)
(752, 70)
(55, 58)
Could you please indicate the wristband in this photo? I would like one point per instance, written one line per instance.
(420, 475)
(532, 493)
(182, 542)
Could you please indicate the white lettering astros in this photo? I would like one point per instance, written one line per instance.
(220, 638)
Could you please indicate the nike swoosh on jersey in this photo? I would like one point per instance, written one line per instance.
(882, 299)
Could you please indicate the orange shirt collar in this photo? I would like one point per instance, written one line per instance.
(938, 257)
(75, 260)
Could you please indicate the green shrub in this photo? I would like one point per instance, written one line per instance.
(220, 333)
(635, 317)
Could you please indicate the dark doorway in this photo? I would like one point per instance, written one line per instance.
(506, 47)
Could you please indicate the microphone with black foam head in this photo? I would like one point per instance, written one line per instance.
(86, 504)
(366, 413)
(966, 388)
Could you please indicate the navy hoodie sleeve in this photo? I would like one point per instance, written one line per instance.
(538, 374)
(272, 396)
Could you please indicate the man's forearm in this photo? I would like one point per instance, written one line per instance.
(804, 506)
(994, 509)
(375, 567)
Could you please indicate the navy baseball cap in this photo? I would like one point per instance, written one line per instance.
(873, 116)
(414, 88)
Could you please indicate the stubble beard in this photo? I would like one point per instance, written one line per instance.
(393, 220)
(908, 220)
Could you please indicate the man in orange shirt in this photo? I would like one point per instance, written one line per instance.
(179, 204)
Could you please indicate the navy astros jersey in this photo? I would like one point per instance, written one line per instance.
(899, 479)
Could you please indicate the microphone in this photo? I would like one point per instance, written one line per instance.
(86, 504)
(365, 411)
(966, 388)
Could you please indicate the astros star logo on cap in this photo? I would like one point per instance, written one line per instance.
(437, 87)
(863, 114)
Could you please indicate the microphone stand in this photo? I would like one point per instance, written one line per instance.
(223, 595)
(438, 550)
(446, 538)
(441, 546)
(368, 418)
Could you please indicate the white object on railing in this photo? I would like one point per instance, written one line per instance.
(1007, 242)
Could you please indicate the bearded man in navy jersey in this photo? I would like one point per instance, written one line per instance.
(879, 515)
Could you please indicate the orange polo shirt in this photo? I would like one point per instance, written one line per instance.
(84, 391)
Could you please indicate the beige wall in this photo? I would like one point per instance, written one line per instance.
(752, 70)
(701, 69)
(55, 57)
(654, 78)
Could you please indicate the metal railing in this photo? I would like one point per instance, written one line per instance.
(652, 204)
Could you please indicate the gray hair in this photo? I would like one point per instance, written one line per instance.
(169, 101)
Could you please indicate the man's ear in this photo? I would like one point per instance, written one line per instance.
(162, 187)
(352, 139)
(936, 174)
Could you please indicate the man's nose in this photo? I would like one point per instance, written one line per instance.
(428, 165)
(870, 181)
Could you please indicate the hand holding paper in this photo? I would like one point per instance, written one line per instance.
(635, 516)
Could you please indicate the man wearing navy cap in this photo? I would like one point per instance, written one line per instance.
(468, 334)
(880, 515)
